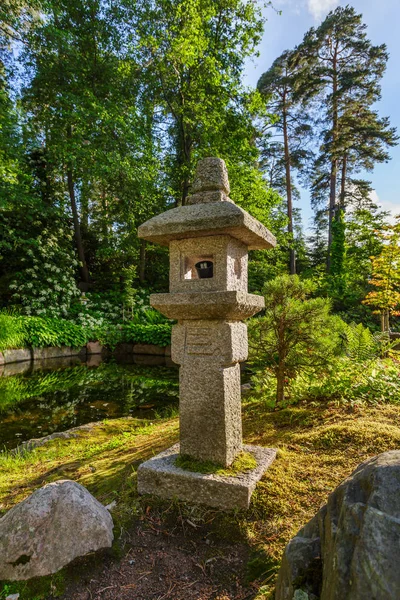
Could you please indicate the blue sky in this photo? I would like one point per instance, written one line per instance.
(382, 18)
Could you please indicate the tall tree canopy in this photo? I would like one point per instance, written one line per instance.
(346, 69)
(283, 87)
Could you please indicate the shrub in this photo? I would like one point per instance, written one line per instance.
(294, 335)
(373, 382)
(158, 334)
(45, 286)
(134, 333)
(355, 340)
(53, 332)
(12, 334)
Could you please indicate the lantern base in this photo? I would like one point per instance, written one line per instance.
(161, 477)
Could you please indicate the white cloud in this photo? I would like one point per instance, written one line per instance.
(319, 8)
(391, 207)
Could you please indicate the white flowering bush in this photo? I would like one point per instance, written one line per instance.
(94, 310)
(46, 286)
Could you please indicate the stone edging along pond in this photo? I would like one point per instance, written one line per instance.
(91, 348)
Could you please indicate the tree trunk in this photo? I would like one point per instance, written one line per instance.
(186, 159)
(385, 322)
(333, 176)
(343, 183)
(77, 228)
(280, 385)
(142, 261)
(292, 254)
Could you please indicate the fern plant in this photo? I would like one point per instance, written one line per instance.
(360, 343)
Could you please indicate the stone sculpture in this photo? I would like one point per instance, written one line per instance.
(209, 240)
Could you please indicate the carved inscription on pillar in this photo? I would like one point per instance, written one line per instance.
(218, 342)
(199, 341)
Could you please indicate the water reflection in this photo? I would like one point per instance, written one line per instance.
(39, 398)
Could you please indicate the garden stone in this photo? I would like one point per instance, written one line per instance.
(50, 528)
(300, 595)
(351, 548)
(53, 352)
(94, 348)
(17, 355)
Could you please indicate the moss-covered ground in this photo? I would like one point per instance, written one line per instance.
(317, 448)
(245, 461)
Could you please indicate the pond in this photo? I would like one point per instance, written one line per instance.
(57, 395)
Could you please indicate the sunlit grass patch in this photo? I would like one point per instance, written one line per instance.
(97, 458)
(318, 446)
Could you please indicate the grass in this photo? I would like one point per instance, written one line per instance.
(317, 448)
(244, 462)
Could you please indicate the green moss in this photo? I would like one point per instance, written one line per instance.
(39, 588)
(243, 462)
(260, 566)
(311, 462)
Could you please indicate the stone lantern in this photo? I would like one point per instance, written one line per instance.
(209, 240)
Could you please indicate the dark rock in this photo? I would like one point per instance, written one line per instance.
(351, 548)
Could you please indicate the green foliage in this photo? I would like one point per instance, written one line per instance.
(261, 567)
(135, 333)
(355, 382)
(12, 333)
(359, 342)
(386, 276)
(147, 327)
(40, 333)
(39, 588)
(93, 310)
(281, 87)
(337, 274)
(294, 334)
(345, 69)
(46, 282)
(20, 332)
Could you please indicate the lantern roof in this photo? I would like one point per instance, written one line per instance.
(209, 212)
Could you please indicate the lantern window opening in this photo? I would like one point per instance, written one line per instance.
(198, 267)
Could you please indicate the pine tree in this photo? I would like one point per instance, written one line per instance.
(282, 86)
(294, 334)
(346, 69)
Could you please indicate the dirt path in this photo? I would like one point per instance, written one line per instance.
(164, 563)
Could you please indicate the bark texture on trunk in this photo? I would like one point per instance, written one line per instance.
(142, 261)
(343, 183)
(77, 228)
(280, 385)
(333, 175)
(292, 254)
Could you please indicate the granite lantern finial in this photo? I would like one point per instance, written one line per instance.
(210, 183)
(209, 241)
